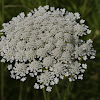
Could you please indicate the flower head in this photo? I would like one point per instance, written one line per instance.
(47, 44)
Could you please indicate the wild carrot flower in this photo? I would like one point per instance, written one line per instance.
(46, 44)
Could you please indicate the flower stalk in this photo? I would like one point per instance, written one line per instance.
(20, 91)
(57, 91)
(44, 94)
(66, 95)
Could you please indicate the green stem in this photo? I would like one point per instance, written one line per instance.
(48, 95)
(20, 91)
(57, 92)
(67, 91)
(3, 10)
(2, 82)
(15, 6)
(44, 94)
(46, 2)
(84, 7)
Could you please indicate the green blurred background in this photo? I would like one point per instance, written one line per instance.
(86, 89)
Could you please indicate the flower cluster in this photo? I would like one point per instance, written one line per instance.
(46, 44)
